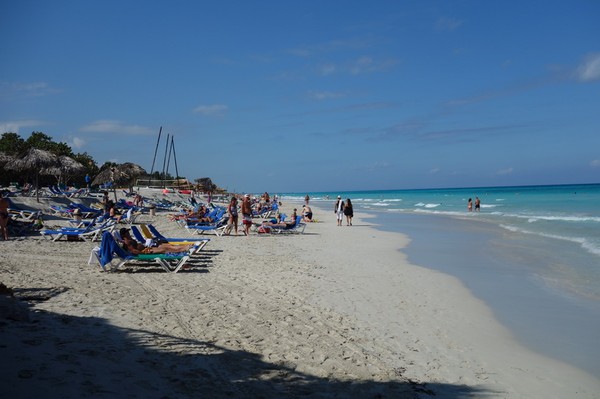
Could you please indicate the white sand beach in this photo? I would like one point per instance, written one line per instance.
(335, 312)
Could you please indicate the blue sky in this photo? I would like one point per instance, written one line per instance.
(314, 95)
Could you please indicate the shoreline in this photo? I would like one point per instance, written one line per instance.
(552, 322)
(502, 343)
(335, 312)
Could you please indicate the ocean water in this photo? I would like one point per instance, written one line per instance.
(531, 253)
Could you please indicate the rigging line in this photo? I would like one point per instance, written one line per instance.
(155, 151)
(169, 157)
(175, 161)
(165, 161)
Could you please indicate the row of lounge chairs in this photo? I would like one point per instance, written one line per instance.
(91, 232)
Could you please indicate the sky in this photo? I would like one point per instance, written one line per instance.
(295, 96)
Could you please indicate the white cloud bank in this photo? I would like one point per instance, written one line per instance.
(111, 126)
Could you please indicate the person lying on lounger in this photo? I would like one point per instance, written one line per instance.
(136, 248)
(280, 224)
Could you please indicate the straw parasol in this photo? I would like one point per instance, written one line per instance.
(5, 158)
(205, 184)
(67, 167)
(124, 173)
(33, 160)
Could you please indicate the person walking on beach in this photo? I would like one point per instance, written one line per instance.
(233, 216)
(470, 205)
(477, 204)
(349, 212)
(4, 205)
(246, 214)
(306, 199)
(339, 210)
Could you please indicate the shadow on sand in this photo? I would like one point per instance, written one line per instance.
(53, 355)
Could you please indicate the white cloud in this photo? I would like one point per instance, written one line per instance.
(15, 126)
(77, 142)
(590, 68)
(506, 171)
(324, 95)
(110, 126)
(434, 171)
(327, 69)
(448, 24)
(214, 109)
(595, 163)
(32, 89)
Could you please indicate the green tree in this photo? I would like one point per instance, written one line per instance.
(12, 144)
(45, 142)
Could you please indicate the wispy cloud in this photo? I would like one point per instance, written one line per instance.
(595, 163)
(330, 46)
(24, 90)
(448, 24)
(215, 109)
(116, 127)
(325, 95)
(360, 65)
(503, 172)
(15, 126)
(589, 69)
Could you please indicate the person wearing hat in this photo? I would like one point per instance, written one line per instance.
(339, 210)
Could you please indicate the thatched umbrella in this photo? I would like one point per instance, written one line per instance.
(205, 184)
(124, 173)
(33, 160)
(5, 158)
(67, 167)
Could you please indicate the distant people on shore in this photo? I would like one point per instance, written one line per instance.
(339, 210)
(349, 212)
(470, 205)
(306, 199)
(477, 204)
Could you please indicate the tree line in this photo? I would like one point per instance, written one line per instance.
(14, 145)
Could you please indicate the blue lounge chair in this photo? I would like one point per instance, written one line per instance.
(110, 250)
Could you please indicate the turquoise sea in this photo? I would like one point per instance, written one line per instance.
(532, 253)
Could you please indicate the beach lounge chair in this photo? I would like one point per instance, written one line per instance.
(86, 211)
(109, 251)
(296, 228)
(91, 232)
(150, 231)
(218, 227)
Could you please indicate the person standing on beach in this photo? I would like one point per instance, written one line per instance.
(4, 205)
(88, 180)
(246, 214)
(477, 204)
(306, 199)
(232, 208)
(470, 205)
(339, 210)
(349, 212)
